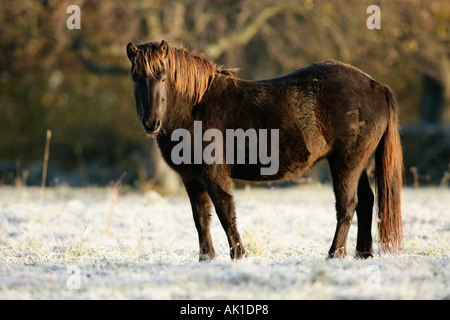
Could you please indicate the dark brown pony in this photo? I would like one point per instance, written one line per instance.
(326, 110)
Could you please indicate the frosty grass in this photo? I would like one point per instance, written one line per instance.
(94, 244)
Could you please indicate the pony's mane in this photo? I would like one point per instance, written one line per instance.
(191, 73)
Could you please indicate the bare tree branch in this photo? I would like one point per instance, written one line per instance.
(243, 36)
(92, 66)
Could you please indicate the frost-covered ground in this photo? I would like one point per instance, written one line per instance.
(90, 244)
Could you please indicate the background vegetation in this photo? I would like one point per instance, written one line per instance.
(76, 82)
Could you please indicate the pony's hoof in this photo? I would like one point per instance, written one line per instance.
(206, 256)
(363, 255)
(238, 252)
(338, 253)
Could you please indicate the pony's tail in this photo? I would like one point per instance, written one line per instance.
(389, 180)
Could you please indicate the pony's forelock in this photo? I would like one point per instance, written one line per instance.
(147, 62)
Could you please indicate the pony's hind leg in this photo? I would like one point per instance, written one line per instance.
(201, 209)
(345, 183)
(220, 192)
(364, 214)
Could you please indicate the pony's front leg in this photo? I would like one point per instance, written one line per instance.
(201, 209)
(220, 192)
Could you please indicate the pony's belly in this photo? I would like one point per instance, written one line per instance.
(253, 172)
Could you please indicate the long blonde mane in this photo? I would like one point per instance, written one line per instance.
(191, 73)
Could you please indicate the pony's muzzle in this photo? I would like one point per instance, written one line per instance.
(151, 127)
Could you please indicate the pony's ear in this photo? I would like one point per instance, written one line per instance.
(163, 48)
(131, 50)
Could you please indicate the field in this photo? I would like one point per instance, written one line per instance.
(98, 244)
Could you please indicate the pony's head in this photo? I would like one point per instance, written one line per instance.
(160, 72)
(149, 75)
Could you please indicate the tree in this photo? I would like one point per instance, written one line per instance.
(76, 82)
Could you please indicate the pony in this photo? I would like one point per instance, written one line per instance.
(327, 110)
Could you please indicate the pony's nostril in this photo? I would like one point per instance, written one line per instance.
(151, 127)
(145, 124)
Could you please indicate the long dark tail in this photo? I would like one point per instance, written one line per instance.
(389, 180)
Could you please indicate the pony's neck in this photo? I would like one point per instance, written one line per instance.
(182, 110)
(193, 73)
